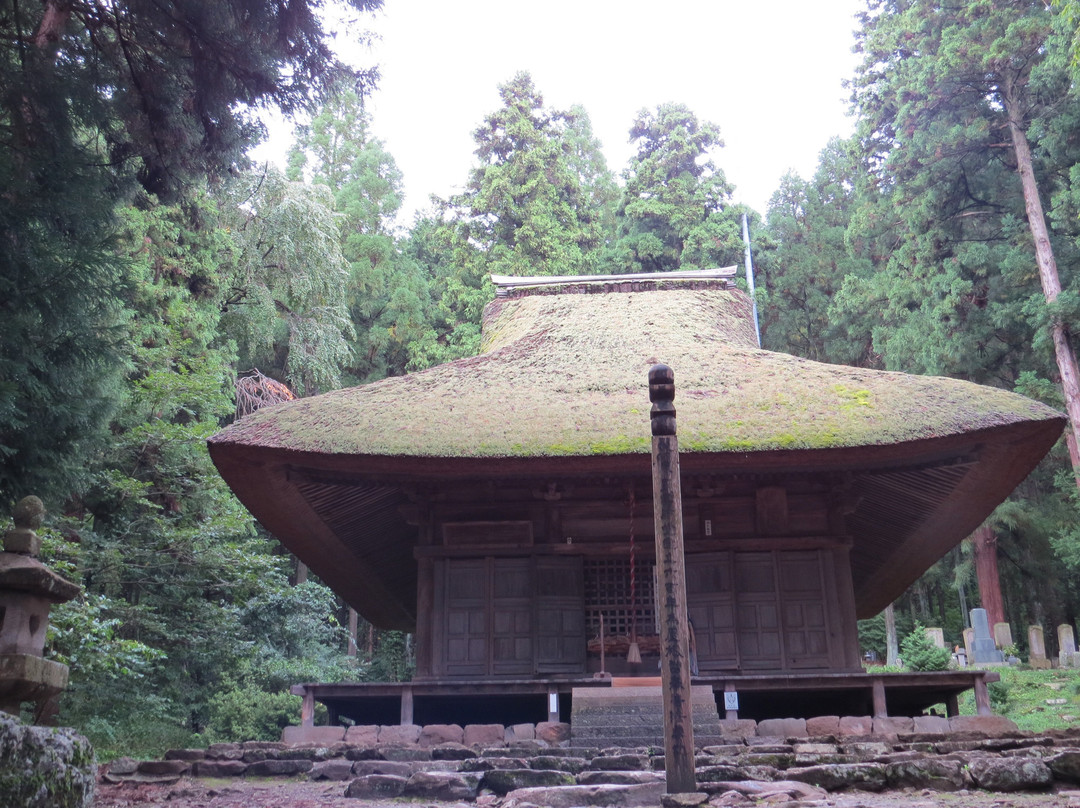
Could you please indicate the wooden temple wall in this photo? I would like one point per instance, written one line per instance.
(515, 582)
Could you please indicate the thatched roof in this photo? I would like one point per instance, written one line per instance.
(561, 387)
(566, 375)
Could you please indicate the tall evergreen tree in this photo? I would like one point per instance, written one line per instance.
(676, 208)
(387, 292)
(950, 97)
(95, 99)
(808, 222)
(528, 207)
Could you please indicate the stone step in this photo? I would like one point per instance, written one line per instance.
(634, 716)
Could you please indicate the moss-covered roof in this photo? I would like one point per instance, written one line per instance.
(565, 375)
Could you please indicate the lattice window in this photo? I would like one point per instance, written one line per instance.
(607, 592)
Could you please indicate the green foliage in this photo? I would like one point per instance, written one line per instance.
(249, 713)
(387, 291)
(676, 211)
(286, 302)
(920, 654)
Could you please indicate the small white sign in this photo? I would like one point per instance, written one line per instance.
(731, 700)
(553, 703)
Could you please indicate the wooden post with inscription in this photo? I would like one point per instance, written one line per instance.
(671, 576)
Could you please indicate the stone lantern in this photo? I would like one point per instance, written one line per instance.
(27, 590)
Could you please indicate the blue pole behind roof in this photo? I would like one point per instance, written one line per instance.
(750, 276)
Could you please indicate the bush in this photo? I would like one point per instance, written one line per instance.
(999, 697)
(920, 654)
(251, 714)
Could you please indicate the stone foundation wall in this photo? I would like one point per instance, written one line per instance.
(971, 755)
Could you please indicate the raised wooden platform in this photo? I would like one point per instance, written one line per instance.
(511, 701)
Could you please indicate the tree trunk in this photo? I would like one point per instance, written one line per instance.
(986, 571)
(892, 647)
(1048, 273)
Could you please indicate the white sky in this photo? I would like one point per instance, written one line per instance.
(768, 73)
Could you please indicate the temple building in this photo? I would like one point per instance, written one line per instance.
(499, 507)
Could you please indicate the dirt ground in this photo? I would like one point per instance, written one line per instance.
(241, 793)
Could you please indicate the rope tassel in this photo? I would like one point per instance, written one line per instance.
(633, 654)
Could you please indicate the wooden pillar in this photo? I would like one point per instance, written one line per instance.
(671, 575)
(307, 709)
(425, 611)
(406, 705)
(982, 697)
(880, 710)
(952, 705)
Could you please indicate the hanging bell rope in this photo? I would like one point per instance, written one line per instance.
(633, 654)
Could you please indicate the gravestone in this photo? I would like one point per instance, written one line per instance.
(1037, 648)
(969, 638)
(1067, 656)
(937, 636)
(1003, 635)
(983, 648)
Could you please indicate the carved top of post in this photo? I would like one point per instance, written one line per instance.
(662, 396)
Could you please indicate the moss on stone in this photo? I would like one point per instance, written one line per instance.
(565, 374)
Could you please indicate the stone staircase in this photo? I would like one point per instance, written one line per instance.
(634, 717)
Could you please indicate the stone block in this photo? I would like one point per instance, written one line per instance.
(936, 636)
(591, 778)
(404, 753)
(397, 768)
(448, 786)
(856, 725)
(502, 781)
(279, 768)
(484, 735)
(646, 795)
(452, 751)
(841, 776)
(185, 754)
(1002, 635)
(318, 735)
(399, 734)
(893, 725)
(938, 774)
(435, 734)
(225, 751)
(1065, 765)
(823, 725)
(376, 787)
(553, 733)
(620, 763)
(218, 768)
(22, 541)
(123, 766)
(738, 727)
(988, 725)
(931, 724)
(44, 767)
(1010, 774)
(520, 732)
(782, 728)
(337, 769)
(362, 735)
(684, 800)
(164, 767)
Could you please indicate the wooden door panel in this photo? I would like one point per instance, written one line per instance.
(805, 624)
(560, 615)
(711, 606)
